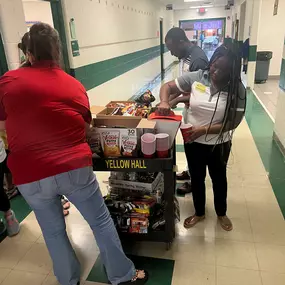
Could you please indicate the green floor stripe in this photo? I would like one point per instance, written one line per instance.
(262, 127)
(160, 270)
(178, 109)
(179, 148)
(21, 209)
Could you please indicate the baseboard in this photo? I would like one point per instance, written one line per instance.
(279, 143)
(274, 77)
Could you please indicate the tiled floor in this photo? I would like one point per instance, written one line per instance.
(268, 94)
(252, 254)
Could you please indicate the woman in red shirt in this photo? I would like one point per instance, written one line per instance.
(47, 115)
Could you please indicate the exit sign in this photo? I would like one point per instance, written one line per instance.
(202, 10)
(169, 7)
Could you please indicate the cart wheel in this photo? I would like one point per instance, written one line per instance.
(168, 245)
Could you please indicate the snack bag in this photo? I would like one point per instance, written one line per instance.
(147, 98)
(111, 143)
(129, 142)
(94, 142)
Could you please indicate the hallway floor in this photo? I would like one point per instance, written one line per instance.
(252, 254)
(268, 94)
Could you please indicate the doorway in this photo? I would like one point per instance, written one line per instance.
(161, 46)
(3, 61)
(242, 21)
(50, 12)
(207, 33)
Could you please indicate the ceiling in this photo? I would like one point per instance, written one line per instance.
(180, 4)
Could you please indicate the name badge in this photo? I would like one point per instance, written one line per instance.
(200, 87)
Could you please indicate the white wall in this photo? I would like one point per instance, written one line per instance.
(216, 12)
(109, 30)
(12, 27)
(271, 33)
(37, 11)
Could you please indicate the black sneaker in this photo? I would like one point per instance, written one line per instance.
(184, 175)
(185, 188)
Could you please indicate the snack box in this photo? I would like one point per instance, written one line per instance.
(112, 104)
(118, 138)
(105, 112)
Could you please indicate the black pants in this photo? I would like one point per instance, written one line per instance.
(4, 201)
(199, 156)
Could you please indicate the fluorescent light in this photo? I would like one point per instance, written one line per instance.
(192, 1)
(197, 7)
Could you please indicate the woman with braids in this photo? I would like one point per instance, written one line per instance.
(217, 106)
(48, 117)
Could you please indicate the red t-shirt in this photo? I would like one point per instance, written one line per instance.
(45, 111)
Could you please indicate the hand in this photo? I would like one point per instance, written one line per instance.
(196, 133)
(163, 109)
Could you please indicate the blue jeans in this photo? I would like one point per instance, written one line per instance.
(81, 188)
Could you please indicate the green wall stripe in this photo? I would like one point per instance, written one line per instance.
(57, 15)
(95, 74)
(282, 75)
(3, 61)
(262, 127)
(252, 53)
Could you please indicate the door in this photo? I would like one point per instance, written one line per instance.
(58, 21)
(3, 61)
(161, 45)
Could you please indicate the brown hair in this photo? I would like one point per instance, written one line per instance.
(44, 43)
(23, 45)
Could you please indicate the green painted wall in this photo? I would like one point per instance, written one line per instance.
(282, 75)
(3, 61)
(95, 74)
(252, 53)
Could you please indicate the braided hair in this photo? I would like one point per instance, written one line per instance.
(236, 99)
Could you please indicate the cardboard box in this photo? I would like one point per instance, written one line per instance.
(109, 105)
(105, 112)
(116, 138)
(134, 185)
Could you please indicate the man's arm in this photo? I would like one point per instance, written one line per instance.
(173, 96)
(182, 84)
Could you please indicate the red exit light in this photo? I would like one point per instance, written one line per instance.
(202, 10)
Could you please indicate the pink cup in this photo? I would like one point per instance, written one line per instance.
(162, 142)
(186, 131)
(162, 145)
(148, 142)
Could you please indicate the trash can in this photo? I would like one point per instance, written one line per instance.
(262, 66)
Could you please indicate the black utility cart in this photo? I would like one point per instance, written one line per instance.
(167, 167)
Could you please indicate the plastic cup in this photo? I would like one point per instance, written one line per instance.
(162, 153)
(186, 131)
(148, 145)
(162, 142)
(162, 145)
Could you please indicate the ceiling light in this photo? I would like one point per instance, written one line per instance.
(192, 1)
(197, 7)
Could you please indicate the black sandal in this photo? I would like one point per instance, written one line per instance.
(136, 280)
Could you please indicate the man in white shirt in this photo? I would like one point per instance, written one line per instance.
(192, 58)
